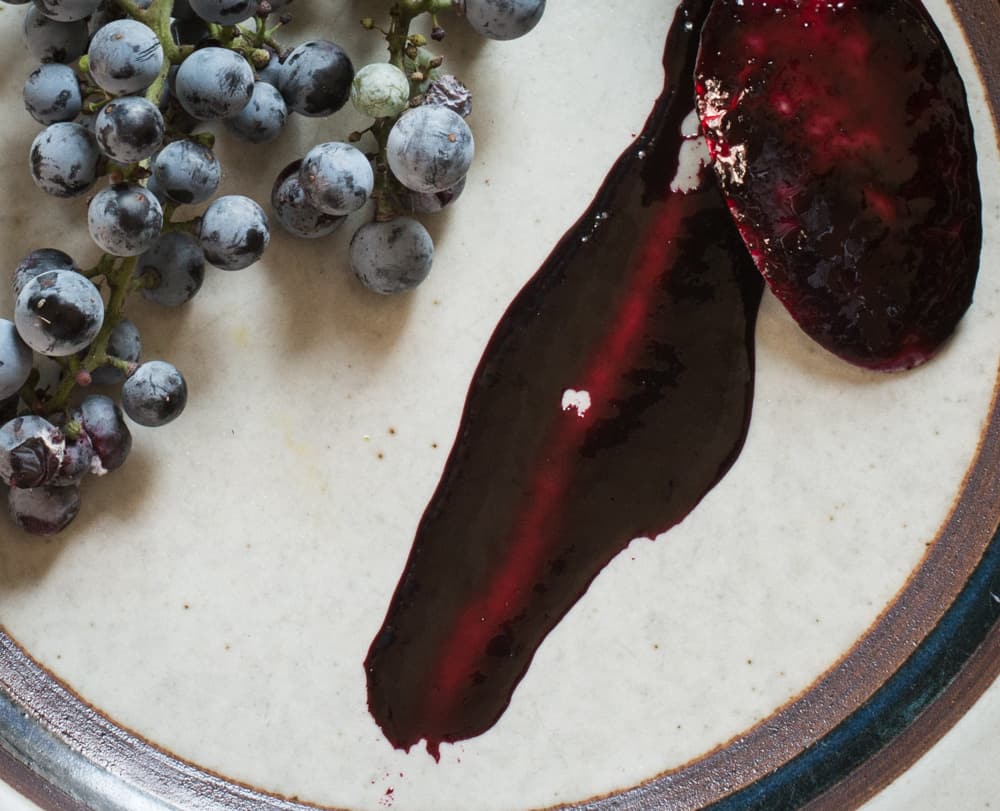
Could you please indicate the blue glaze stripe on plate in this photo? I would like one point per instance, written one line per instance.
(913, 688)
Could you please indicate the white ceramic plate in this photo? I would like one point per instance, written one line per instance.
(217, 596)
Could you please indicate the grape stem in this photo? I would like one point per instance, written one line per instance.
(406, 52)
(102, 267)
(157, 17)
(118, 276)
(28, 395)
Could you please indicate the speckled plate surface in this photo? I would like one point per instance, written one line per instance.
(196, 640)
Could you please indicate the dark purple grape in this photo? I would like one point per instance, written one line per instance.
(391, 257)
(293, 210)
(182, 11)
(38, 262)
(67, 11)
(64, 159)
(414, 202)
(234, 232)
(59, 312)
(430, 148)
(125, 57)
(129, 129)
(31, 451)
(50, 373)
(191, 32)
(107, 11)
(224, 12)
(104, 424)
(44, 510)
(52, 94)
(271, 72)
(173, 270)
(8, 408)
(214, 83)
(336, 177)
(16, 360)
(51, 41)
(124, 219)
(263, 119)
(124, 343)
(316, 78)
(502, 19)
(154, 394)
(186, 172)
(78, 461)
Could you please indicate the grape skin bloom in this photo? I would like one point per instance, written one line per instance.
(430, 148)
(129, 129)
(124, 219)
(125, 57)
(37, 262)
(64, 159)
(124, 343)
(103, 421)
(186, 172)
(52, 94)
(58, 313)
(392, 257)
(336, 177)
(234, 232)
(155, 394)
(173, 270)
(315, 78)
(16, 360)
(263, 119)
(503, 19)
(67, 11)
(293, 210)
(45, 510)
(51, 41)
(214, 83)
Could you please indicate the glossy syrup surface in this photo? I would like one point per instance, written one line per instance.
(616, 391)
(844, 146)
(613, 395)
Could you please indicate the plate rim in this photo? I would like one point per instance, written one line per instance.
(45, 726)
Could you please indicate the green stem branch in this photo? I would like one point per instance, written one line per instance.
(119, 282)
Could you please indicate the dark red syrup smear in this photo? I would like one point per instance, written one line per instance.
(648, 305)
(841, 137)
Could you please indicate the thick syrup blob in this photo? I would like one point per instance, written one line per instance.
(841, 136)
(614, 394)
(616, 391)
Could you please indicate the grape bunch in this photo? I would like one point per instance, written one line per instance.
(423, 147)
(122, 91)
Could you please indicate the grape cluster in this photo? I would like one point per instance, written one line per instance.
(423, 147)
(122, 90)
